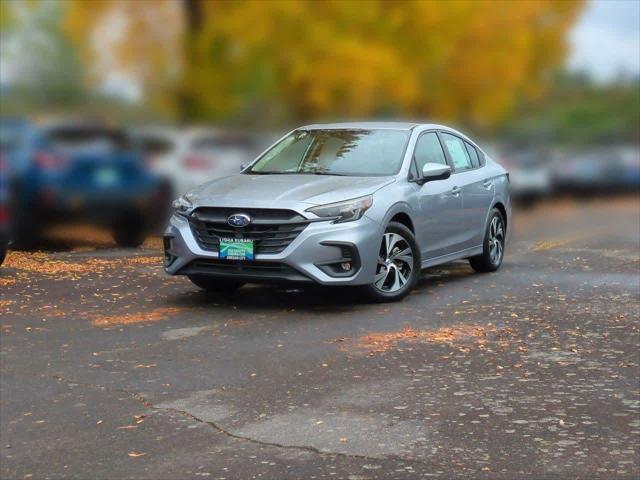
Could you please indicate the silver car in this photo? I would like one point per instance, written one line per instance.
(359, 204)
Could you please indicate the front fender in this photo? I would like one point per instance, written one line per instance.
(395, 209)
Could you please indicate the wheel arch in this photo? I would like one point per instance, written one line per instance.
(402, 213)
(404, 219)
(502, 209)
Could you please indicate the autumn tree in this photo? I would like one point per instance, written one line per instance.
(37, 57)
(280, 60)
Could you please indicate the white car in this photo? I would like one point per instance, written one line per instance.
(190, 156)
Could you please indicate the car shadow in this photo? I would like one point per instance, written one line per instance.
(442, 274)
(308, 298)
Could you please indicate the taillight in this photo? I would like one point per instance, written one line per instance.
(50, 161)
(196, 162)
(4, 216)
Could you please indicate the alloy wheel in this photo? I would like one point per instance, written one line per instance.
(395, 263)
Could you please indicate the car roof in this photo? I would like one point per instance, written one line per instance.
(360, 126)
(372, 126)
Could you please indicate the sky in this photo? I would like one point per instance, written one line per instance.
(606, 39)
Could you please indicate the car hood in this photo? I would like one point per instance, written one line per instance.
(277, 190)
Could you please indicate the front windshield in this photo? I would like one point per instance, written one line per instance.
(358, 153)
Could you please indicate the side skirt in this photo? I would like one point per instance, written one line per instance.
(450, 257)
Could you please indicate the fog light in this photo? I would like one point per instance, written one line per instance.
(346, 266)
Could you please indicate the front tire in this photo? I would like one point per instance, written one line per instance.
(398, 265)
(493, 245)
(213, 284)
(3, 252)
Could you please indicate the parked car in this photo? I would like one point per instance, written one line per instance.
(69, 171)
(4, 207)
(529, 175)
(11, 131)
(187, 157)
(359, 204)
(603, 170)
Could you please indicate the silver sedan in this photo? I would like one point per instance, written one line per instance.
(360, 204)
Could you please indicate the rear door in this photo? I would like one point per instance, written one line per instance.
(465, 176)
(439, 202)
(477, 194)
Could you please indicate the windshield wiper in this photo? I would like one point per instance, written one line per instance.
(297, 173)
(329, 173)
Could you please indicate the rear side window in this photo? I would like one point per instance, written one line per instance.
(457, 152)
(428, 150)
(473, 153)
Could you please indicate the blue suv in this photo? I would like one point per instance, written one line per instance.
(87, 172)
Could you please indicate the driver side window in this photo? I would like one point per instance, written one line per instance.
(428, 150)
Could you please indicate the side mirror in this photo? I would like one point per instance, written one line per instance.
(434, 171)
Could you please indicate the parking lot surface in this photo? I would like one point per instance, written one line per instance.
(111, 369)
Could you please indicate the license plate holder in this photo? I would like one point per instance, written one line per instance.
(235, 249)
(106, 176)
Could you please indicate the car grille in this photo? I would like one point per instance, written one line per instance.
(254, 271)
(271, 230)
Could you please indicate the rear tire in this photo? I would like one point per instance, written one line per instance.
(493, 245)
(398, 265)
(128, 239)
(3, 252)
(25, 234)
(214, 284)
(129, 232)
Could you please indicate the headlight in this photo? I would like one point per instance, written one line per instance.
(182, 205)
(346, 211)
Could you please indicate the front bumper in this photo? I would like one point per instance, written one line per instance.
(305, 259)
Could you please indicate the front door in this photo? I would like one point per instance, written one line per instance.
(439, 203)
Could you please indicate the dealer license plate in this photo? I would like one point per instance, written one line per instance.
(236, 249)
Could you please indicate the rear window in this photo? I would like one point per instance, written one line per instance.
(155, 145)
(473, 153)
(221, 142)
(76, 138)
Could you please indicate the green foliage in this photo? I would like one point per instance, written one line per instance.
(577, 112)
(46, 71)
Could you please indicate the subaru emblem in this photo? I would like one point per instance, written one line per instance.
(239, 220)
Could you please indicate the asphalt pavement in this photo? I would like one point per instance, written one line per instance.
(111, 369)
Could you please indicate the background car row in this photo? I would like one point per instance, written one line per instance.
(60, 171)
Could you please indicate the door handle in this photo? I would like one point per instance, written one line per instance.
(487, 183)
(455, 191)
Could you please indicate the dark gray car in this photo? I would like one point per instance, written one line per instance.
(361, 204)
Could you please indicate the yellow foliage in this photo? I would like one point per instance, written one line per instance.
(460, 60)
